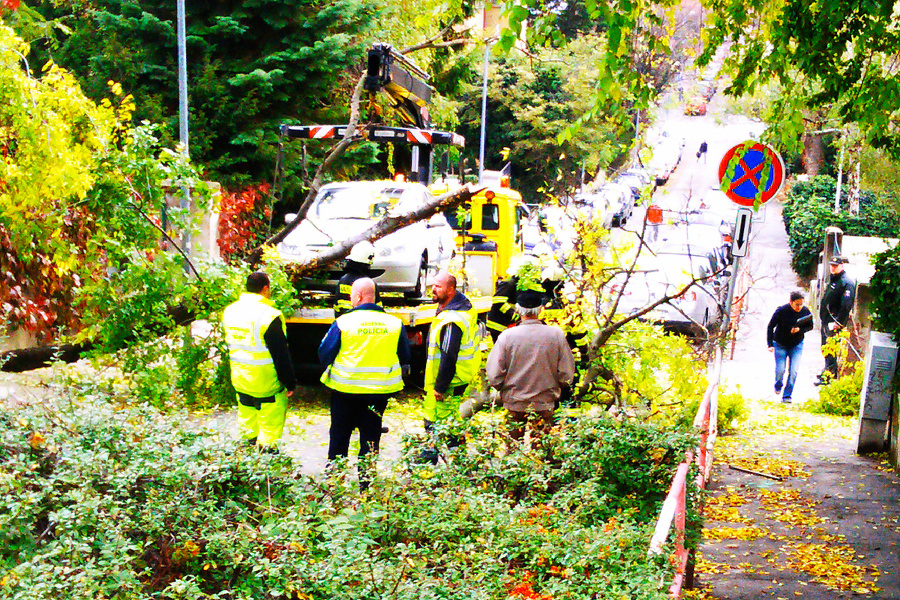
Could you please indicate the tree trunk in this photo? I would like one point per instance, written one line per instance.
(26, 359)
(813, 153)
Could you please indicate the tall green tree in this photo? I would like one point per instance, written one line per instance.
(252, 65)
(838, 56)
(531, 101)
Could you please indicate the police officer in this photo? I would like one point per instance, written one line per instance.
(834, 311)
(358, 265)
(261, 369)
(364, 351)
(453, 353)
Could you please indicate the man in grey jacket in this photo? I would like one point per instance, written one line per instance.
(530, 365)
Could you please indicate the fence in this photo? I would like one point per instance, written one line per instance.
(675, 505)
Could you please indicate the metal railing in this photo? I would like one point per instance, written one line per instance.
(675, 505)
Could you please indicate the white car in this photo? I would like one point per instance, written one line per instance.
(692, 313)
(621, 202)
(405, 261)
(698, 240)
(638, 180)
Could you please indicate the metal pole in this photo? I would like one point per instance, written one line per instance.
(484, 91)
(840, 177)
(183, 119)
(729, 299)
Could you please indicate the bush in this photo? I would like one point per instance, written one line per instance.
(732, 411)
(841, 396)
(99, 501)
(883, 286)
(809, 209)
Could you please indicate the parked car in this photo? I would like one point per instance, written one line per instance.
(705, 247)
(553, 226)
(692, 313)
(405, 260)
(663, 157)
(620, 201)
(602, 206)
(638, 180)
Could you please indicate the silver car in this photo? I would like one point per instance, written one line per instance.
(405, 261)
(693, 313)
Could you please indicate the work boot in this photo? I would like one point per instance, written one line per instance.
(428, 455)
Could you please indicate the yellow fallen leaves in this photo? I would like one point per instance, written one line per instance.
(830, 565)
(734, 533)
(791, 507)
(726, 508)
(703, 565)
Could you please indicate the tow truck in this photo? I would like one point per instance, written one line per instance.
(490, 234)
(404, 84)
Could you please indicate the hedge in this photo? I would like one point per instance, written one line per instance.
(104, 501)
(809, 209)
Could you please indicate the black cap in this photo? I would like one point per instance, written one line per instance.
(837, 260)
(529, 298)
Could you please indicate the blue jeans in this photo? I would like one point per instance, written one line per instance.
(787, 355)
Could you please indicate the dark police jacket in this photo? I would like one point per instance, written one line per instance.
(837, 299)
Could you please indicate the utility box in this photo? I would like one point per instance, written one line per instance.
(875, 400)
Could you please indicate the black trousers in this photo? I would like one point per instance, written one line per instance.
(831, 363)
(355, 411)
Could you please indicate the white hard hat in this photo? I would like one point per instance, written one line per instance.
(363, 252)
(553, 273)
(517, 262)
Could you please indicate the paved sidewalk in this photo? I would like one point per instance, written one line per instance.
(831, 527)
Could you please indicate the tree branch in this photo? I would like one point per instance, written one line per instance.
(384, 227)
(166, 235)
(255, 255)
(432, 42)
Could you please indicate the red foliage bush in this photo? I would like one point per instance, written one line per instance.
(243, 220)
(35, 293)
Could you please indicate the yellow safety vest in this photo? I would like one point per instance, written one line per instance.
(367, 361)
(252, 369)
(469, 359)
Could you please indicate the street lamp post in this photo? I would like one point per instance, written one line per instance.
(484, 90)
(183, 119)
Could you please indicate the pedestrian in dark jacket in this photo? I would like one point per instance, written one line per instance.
(834, 311)
(784, 336)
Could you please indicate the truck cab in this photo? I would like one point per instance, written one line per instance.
(493, 221)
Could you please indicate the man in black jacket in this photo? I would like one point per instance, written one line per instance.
(788, 325)
(838, 297)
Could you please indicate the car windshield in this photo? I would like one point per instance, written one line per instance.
(355, 202)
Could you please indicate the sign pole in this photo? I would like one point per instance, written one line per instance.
(750, 174)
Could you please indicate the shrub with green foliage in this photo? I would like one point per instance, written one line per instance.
(98, 501)
(841, 396)
(884, 287)
(732, 411)
(809, 209)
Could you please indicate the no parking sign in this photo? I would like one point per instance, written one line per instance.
(751, 173)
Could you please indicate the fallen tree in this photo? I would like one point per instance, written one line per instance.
(384, 227)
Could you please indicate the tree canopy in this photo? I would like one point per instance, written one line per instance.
(251, 66)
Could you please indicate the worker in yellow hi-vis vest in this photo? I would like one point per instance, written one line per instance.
(261, 368)
(358, 265)
(364, 351)
(453, 354)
